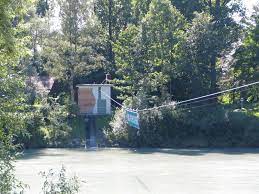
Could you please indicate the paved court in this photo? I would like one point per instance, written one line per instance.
(148, 171)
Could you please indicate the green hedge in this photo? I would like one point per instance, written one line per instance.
(218, 126)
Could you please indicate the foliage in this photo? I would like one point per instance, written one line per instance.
(156, 50)
(58, 183)
(56, 115)
(8, 182)
(246, 67)
(114, 16)
(47, 125)
(12, 96)
(188, 128)
(194, 60)
(76, 49)
(42, 7)
(188, 8)
(145, 55)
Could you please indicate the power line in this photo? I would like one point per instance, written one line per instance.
(185, 102)
(201, 106)
(198, 98)
(206, 99)
(198, 101)
(122, 106)
(112, 99)
(221, 92)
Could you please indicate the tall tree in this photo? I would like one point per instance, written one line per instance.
(226, 31)
(76, 50)
(194, 79)
(12, 96)
(114, 15)
(140, 9)
(72, 14)
(151, 51)
(188, 8)
(210, 36)
(246, 67)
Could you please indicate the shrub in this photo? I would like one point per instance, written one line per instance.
(218, 126)
(8, 183)
(58, 183)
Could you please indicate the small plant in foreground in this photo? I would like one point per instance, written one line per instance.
(58, 183)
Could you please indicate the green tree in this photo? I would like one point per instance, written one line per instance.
(140, 9)
(226, 31)
(72, 18)
(194, 72)
(114, 15)
(12, 96)
(76, 49)
(42, 7)
(211, 35)
(149, 51)
(246, 67)
(188, 8)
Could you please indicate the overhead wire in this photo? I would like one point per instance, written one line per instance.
(221, 92)
(121, 105)
(108, 96)
(194, 100)
(200, 106)
(185, 102)
(206, 99)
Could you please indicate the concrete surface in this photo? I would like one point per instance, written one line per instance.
(148, 171)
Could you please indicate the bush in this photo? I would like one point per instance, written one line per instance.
(58, 183)
(8, 183)
(47, 125)
(218, 126)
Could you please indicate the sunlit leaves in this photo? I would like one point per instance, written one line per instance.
(145, 54)
(246, 67)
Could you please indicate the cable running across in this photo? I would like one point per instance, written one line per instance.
(185, 102)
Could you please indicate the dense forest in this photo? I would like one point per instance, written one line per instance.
(156, 51)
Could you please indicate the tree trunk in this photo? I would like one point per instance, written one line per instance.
(213, 73)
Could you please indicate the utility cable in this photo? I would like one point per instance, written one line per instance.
(201, 106)
(122, 106)
(221, 92)
(185, 102)
(198, 98)
(206, 99)
(112, 99)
